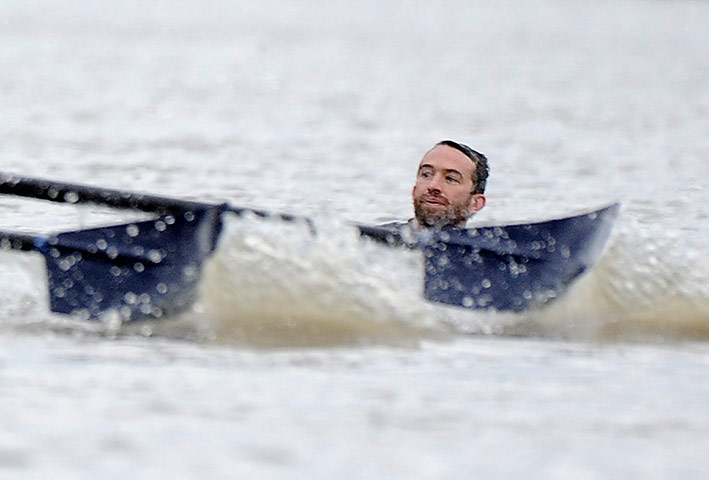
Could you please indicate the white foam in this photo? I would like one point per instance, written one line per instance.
(274, 283)
(650, 285)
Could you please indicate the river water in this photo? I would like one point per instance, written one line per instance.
(316, 357)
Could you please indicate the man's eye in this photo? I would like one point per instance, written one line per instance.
(425, 174)
(452, 179)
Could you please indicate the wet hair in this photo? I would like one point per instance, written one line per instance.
(482, 169)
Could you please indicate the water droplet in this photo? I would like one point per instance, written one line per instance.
(160, 226)
(155, 256)
(190, 272)
(71, 197)
(486, 283)
(81, 314)
(189, 216)
(130, 298)
(484, 300)
(161, 288)
(112, 252)
(139, 267)
(101, 244)
(132, 231)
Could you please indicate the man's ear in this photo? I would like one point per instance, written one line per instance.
(477, 202)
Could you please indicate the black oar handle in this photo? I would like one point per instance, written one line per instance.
(61, 192)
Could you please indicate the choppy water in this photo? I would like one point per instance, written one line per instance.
(325, 109)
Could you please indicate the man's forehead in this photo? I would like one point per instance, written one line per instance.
(448, 158)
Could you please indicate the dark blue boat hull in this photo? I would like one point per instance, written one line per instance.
(513, 267)
(147, 269)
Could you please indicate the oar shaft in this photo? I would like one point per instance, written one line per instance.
(17, 241)
(62, 192)
(376, 233)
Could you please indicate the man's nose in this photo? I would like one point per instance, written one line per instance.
(435, 183)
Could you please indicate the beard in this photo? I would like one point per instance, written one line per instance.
(449, 216)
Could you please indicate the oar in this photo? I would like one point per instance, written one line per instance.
(151, 268)
(142, 269)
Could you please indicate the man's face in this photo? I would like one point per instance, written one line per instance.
(443, 194)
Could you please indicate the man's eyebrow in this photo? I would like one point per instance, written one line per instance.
(447, 170)
(453, 170)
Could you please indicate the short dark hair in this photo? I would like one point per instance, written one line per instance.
(482, 169)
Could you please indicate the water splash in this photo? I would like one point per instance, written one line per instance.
(275, 284)
(651, 285)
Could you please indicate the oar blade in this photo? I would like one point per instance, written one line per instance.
(141, 270)
(513, 267)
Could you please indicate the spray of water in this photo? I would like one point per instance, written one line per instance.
(650, 285)
(275, 284)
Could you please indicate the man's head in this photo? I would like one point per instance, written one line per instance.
(450, 185)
